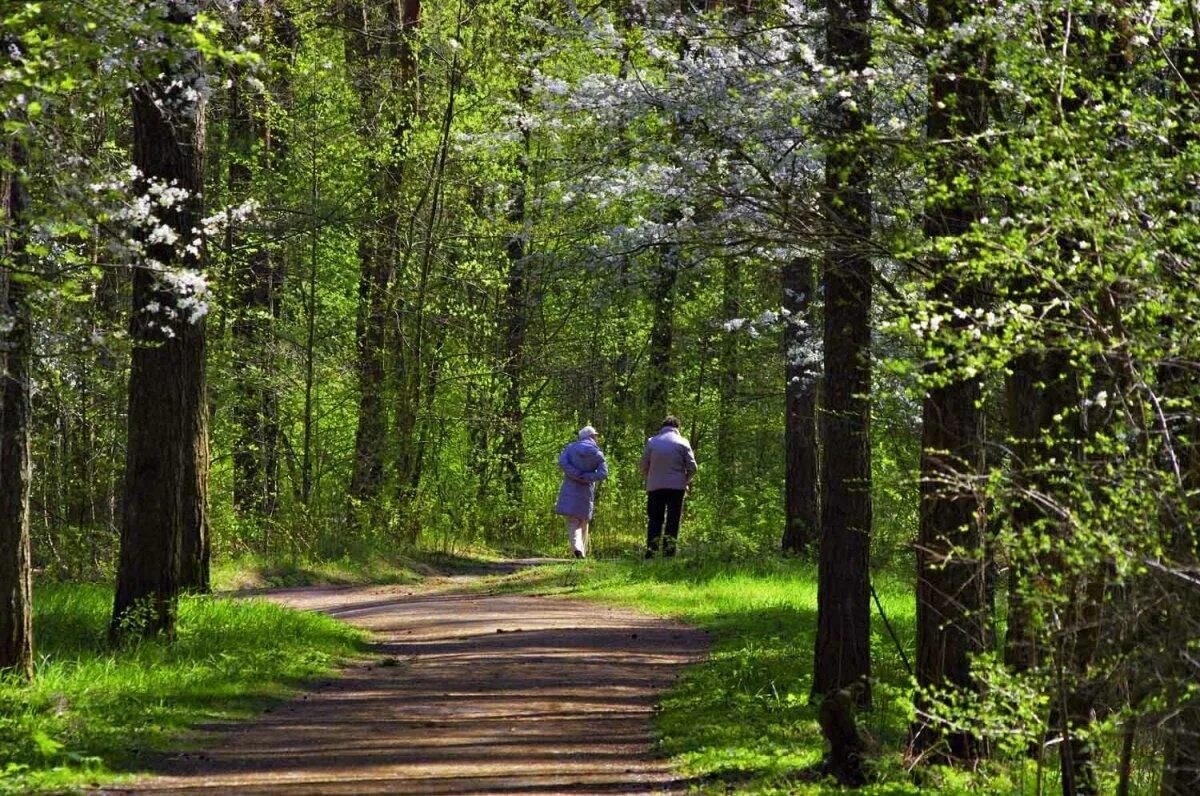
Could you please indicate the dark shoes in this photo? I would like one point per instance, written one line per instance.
(579, 554)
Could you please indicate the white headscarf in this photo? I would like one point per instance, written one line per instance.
(587, 432)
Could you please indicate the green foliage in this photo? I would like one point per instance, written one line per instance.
(94, 712)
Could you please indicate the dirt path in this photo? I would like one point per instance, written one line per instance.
(479, 694)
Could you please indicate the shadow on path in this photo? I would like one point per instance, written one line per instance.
(466, 694)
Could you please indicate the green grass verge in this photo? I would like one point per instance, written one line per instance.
(253, 572)
(743, 718)
(256, 572)
(742, 721)
(95, 713)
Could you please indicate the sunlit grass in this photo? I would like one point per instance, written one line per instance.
(93, 711)
(742, 720)
(255, 572)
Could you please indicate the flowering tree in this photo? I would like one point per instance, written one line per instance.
(164, 538)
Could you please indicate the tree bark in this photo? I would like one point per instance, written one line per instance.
(842, 648)
(370, 438)
(802, 505)
(16, 342)
(164, 533)
(365, 36)
(402, 20)
(952, 603)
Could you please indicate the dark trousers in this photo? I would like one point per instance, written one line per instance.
(663, 504)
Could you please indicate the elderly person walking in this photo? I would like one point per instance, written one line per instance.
(668, 465)
(583, 466)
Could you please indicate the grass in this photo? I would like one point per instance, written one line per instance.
(255, 572)
(742, 720)
(95, 713)
(248, 572)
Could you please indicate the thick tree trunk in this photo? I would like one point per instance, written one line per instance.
(381, 57)
(164, 533)
(802, 505)
(516, 315)
(952, 615)
(842, 651)
(16, 341)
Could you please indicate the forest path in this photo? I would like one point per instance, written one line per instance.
(477, 694)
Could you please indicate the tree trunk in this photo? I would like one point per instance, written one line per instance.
(516, 314)
(802, 504)
(952, 617)
(1025, 406)
(370, 438)
(16, 341)
(843, 598)
(248, 271)
(402, 20)
(364, 42)
(731, 308)
(260, 274)
(164, 533)
(660, 363)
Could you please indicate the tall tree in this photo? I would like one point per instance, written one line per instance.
(516, 306)
(519, 282)
(365, 22)
(164, 531)
(382, 59)
(16, 610)
(952, 620)
(801, 491)
(256, 138)
(842, 648)
(409, 339)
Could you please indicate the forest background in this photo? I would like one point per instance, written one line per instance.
(324, 280)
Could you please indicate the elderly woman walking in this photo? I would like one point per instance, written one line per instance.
(583, 466)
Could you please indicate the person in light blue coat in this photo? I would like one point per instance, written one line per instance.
(583, 466)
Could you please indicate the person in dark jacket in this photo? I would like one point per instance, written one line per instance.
(668, 466)
(583, 466)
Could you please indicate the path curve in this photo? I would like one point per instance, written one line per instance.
(478, 694)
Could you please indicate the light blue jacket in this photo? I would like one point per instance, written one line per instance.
(668, 461)
(583, 465)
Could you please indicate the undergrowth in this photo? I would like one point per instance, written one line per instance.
(94, 713)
